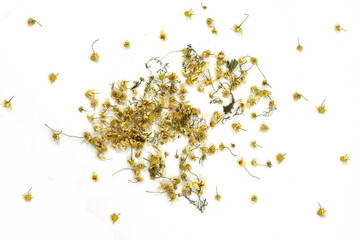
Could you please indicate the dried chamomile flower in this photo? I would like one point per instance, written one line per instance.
(81, 109)
(321, 109)
(209, 22)
(53, 77)
(94, 56)
(254, 198)
(214, 31)
(90, 93)
(222, 147)
(280, 157)
(265, 83)
(297, 96)
(7, 104)
(242, 162)
(264, 128)
(101, 156)
(203, 6)
(126, 44)
(189, 14)
(299, 48)
(28, 196)
(254, 61)
(344, 159)
(163, 36)
(321, 212)
(172, 197)
(254, 145)
(94, 176)
(269, 164)
(56, 136)
(338, 28)
(237, 28)
(254, 162)
(237, 127)
(31, 22)
(217, 196)
(114, 217)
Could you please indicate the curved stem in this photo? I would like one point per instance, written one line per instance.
(251, 174)
(120, 171)
(231, 152)
(92, 45)
(261, 72)
(60, 132)
(304, 97)
(247, 15)
(168, 54)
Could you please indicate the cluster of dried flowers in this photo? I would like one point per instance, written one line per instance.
(149, 113)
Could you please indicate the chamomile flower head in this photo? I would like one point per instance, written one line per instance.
(114, 217)
(344, 159)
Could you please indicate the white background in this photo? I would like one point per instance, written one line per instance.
(68, 205)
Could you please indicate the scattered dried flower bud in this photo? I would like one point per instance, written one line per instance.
(344, 159)
(7, 104)
(338, 28)
(264, 128)
(94, 176)
(31, 22)
(280, 157)
(126, 44)
(189, 14)
(53, 77)
(321, 212)
(114, 217)
(163, 36)
(254, 198)
(94, 56)
(299, 48)
(28, 196)
(217, 196)
(242, 162)
(321, 109)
